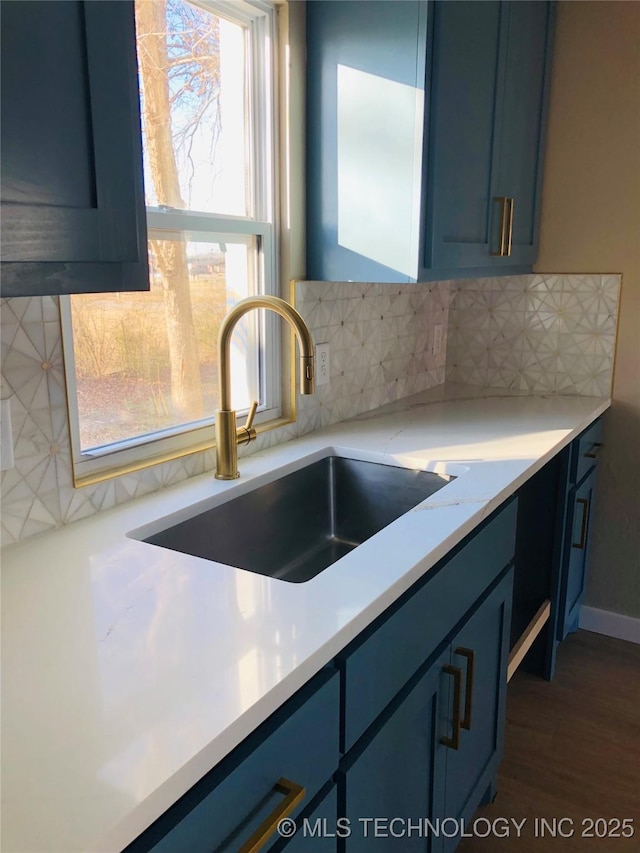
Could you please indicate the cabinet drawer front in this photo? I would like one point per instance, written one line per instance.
(584, 451)
(376, 667)
(317, 828)
(223, 810)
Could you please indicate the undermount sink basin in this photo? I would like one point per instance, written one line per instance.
(301, 523)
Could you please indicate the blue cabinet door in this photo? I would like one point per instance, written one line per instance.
(575, 561)
(72, 199)
(393, 197)
(465, 94)
(365, 106)
(489, 91)
(528, 33)
(397, 770)
(480, 650)
(430, 756)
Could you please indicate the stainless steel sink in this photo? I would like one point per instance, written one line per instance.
(297, 525)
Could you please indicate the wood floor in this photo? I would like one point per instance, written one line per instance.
(572, 750)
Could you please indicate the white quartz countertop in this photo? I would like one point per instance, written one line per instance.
(129, 670)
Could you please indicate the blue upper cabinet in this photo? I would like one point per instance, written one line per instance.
(461, 165)
(365, 117)
(425, 137)
(489, 85)
(522, 122)
(73, 216)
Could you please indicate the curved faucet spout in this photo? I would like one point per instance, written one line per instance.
(228, 436)
(287, 312)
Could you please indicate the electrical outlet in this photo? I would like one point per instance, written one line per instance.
(323, 366)
(438, 339)
(6, 436)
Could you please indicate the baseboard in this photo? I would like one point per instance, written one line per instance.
(611, 624)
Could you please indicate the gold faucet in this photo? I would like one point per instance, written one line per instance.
(228, 435)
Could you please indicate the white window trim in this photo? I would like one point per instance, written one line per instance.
(140, 452)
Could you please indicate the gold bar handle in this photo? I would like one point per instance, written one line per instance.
(511, 205)
(453, 742)
(504, 224)
(594, 450)
(294, 794)
(583, 530)
(470, 655)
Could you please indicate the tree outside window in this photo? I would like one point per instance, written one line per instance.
(146, 363)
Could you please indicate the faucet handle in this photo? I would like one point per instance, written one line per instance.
(252, 413)
(247, 433)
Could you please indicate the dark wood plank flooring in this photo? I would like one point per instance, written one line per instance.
(572, 750)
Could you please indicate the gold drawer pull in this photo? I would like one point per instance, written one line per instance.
(294, 794)
(470, 655)
(594, 450)
(583, 530)
(453, 742)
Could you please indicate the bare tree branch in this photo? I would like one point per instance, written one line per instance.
(179, 56)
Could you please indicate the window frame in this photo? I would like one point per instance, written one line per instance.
(118, 458)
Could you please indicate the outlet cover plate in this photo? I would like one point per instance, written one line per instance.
(323, 364)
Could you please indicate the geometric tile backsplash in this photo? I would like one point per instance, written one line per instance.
(550, 334)
(381, 340)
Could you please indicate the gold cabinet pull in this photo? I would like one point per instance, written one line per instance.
(293, 794)
(453, 742)
(470, 655)
(594, 450)
(504, 224)
(583, 529)
(511, 205)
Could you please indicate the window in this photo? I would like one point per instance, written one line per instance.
(142, 367)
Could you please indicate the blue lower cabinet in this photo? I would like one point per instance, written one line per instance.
(404, 733)
(555, 510)
(577, 511)
(576, 553)
(393, 779)
(585, 450)
(426, 763)
(398, 740)
(247, 791)
(316, 830)
(479, 657)
(378, 664)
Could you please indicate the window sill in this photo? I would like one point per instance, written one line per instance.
(122, 469)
